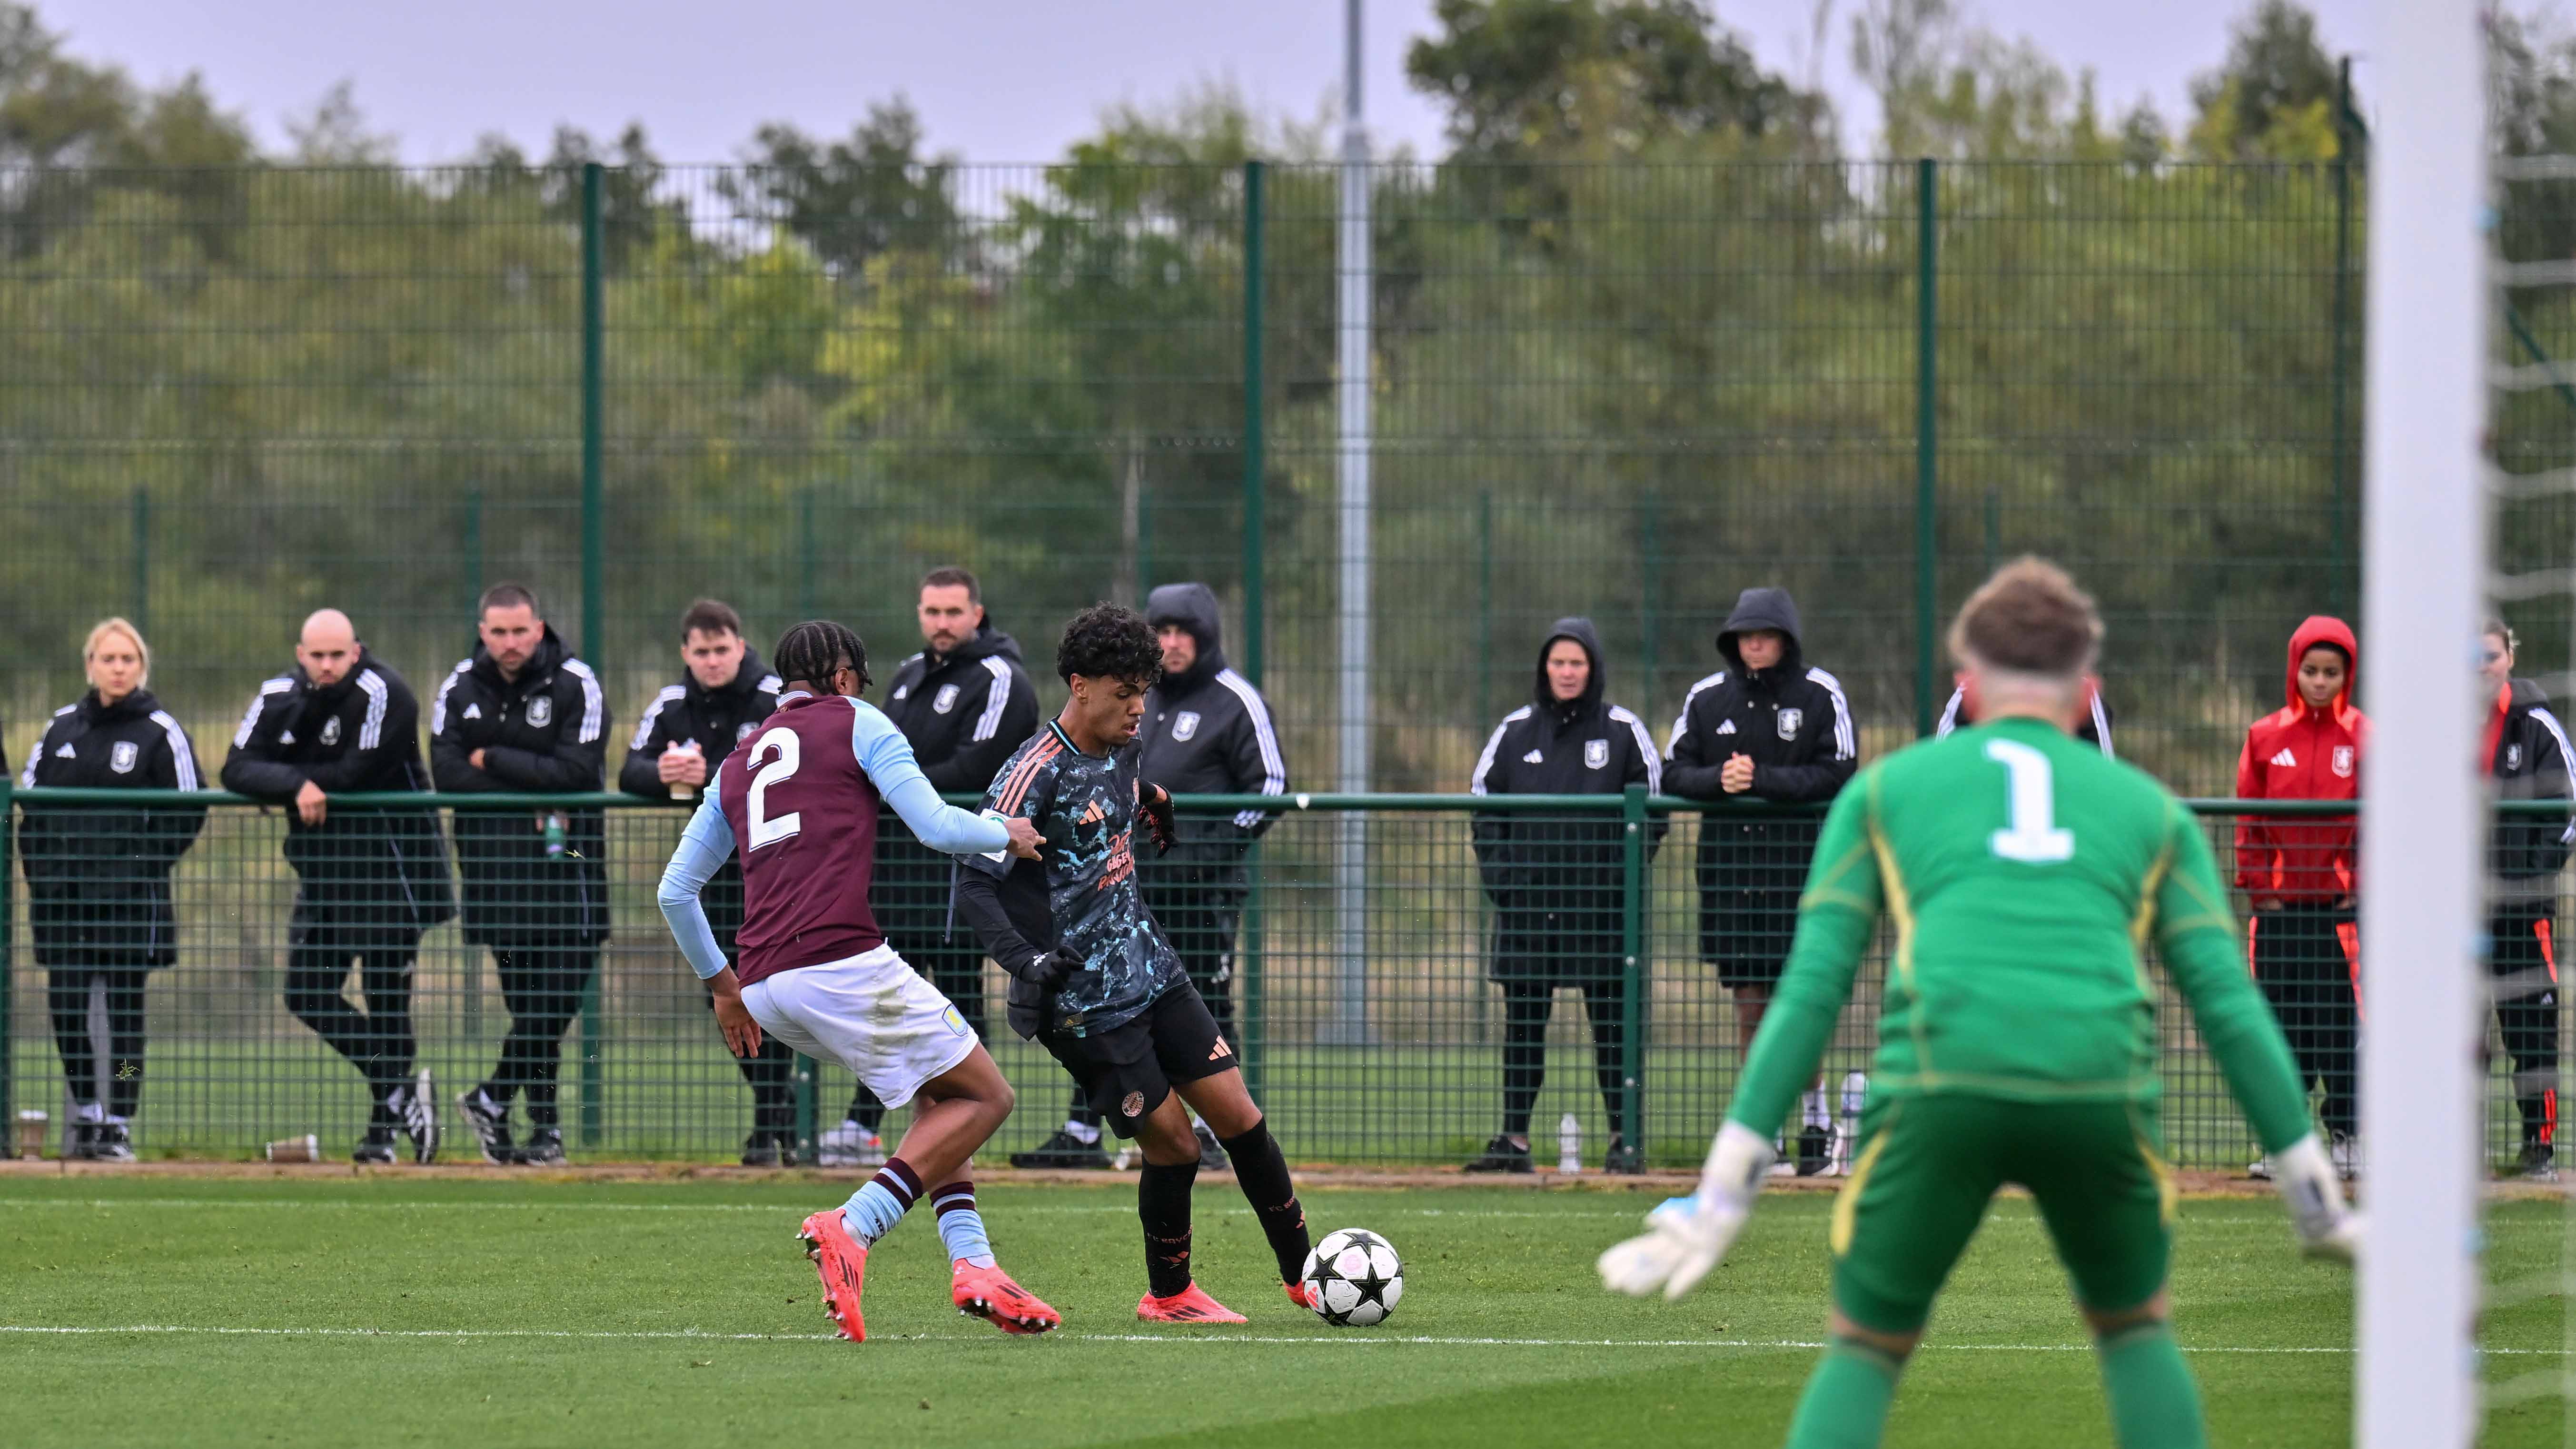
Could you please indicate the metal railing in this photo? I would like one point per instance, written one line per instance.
(227, 1068)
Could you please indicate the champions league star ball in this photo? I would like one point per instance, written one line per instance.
(1354, 1277)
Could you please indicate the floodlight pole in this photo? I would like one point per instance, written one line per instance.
(2424, 570)
(1349, 1025)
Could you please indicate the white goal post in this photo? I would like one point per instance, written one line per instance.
(2424, 569)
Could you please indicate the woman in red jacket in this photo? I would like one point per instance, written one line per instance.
(2298, 871)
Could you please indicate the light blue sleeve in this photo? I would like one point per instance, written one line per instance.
(887, 757)
(704, 848)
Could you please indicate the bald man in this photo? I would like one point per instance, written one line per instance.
(369, 881)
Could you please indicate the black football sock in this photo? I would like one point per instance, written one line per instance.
(1261, 1170)
(1163, 1205)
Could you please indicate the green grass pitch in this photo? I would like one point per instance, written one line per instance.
(402, 1310)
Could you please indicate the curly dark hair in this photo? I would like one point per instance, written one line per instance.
(1110, 641)
(808, 653)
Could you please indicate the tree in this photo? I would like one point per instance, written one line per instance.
(854, 199)
(2274, 98)
(1527, 79)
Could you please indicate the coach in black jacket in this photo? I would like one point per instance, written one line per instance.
(1555, 880)
(368, 881)
(2528, 757)
(1767, 727)
(98, 877)
(522, 714)
(723, 694)
(965, 702)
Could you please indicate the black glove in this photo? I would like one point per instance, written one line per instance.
(1049, 972)
(1157, 808)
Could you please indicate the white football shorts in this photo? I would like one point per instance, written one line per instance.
(871, 1013)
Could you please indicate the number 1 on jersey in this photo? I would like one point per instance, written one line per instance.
(2033, 837)
(789, 752)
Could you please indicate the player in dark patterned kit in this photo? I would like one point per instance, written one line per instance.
(799, 802)
(1093, 979)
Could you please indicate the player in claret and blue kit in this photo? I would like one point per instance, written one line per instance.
(2025, 873)
(1094, 980)
(799, 801)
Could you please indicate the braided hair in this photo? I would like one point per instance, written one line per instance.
(809, 652)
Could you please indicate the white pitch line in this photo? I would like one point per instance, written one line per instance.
(1360, 1339)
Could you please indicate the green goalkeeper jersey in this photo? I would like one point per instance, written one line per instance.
(2026, 875)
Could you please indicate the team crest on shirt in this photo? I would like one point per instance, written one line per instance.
(541, 710)
(1790, 719)
(1185, 724)
(956, 1024)
(945, 700)
(2343, 761)
(903, 691)
(122, 758)
(2512, 758)
(1134, 1106)
(1596, 754)
(331, 730)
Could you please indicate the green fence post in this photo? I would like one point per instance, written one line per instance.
(1926, 454)
(2340, 586)
(1994, 530)
(1650, 577)
(473, 547)
(1247, 967)
(1484, 608)
(142, 562)
(8, 933)
(1254, 465)
(806, 1151)
(806, 565)
(1632, 949)
(594, 328)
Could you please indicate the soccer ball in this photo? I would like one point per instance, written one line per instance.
(1354, 1278)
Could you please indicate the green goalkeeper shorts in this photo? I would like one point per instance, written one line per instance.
(1928, 1166)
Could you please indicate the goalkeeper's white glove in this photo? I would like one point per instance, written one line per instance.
(2306, 1179)
(1687, 1236)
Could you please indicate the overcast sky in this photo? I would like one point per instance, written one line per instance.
(994, 80)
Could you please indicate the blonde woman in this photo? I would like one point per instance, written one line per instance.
(98, 877)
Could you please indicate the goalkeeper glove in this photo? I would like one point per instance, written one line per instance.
(2306, 1179)
(1687, 1236)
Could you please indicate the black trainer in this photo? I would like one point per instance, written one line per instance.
(1211, 1156)
(376, 1148)
(2539, 1162)
(1501, 1155)
(1815, 1148)
(415, 1109)
(108, 1143)
(491, 1123)
(1624, 1158)
(84, 1143)
(544, 1149)
(760, 1149)
(1062, 1150)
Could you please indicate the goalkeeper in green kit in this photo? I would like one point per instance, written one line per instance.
(2025, 874)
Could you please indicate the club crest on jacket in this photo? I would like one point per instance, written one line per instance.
(331, 730)
(541, 711)
(2343, 762)
(1185, 724)
(1790, 718)
(945, 700)
(121, 759)
(1596, 754)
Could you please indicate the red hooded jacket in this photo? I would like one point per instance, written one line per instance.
(2300, 753)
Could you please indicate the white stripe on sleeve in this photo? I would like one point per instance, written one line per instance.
(671, 694)
(997, 697)
(2102, 726)
(183, 760)
(438, 701)
(1274, 765)
(1645, 747)
(371, 730)
(1681, 722)
(1950, 713)
(1493, 742)
(258, 702)
(594, 705)
(1846, 739)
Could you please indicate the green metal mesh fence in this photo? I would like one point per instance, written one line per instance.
(1402, 1061)
(1626, 392)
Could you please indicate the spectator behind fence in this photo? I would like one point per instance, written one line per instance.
(2298, 871)
(522, 714)
(368, 881)
(1767, 727)
(964, 703)
(2093, 726)
(724, 693)
(1555, 882)
(2525, 750)
(98, 879)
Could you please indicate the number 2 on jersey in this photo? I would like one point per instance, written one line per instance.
(789, 751)
(2033, 837)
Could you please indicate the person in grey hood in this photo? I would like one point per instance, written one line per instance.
(1555, 881)
(964, 703)
(1767, 727)
(1206, 731)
